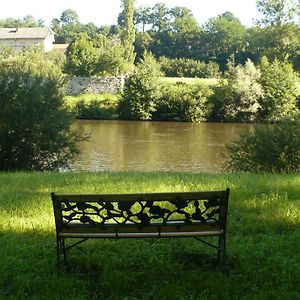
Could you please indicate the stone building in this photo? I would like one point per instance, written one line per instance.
(18, 38)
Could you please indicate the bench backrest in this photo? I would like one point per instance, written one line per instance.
(140, 210)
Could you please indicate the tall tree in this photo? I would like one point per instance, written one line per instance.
(277, 12)
(223, 36)
(128, 32)
(142, 17)
(160, 17)
(69, 16)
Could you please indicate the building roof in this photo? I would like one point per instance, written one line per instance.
(25, 33)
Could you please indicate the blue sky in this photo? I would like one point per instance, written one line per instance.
(105, 12)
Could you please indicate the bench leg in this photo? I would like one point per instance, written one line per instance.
(60, 249)
(64, 251)
(222, 251)
(58, 253)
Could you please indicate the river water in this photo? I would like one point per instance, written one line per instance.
(154, 146)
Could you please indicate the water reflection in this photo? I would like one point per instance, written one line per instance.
(149, 146)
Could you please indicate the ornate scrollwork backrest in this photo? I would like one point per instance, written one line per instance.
(140, 211)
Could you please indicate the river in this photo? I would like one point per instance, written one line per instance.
(154, 146)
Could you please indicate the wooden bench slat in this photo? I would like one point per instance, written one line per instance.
(141, 234)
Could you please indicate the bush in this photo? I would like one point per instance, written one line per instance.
(237, 97)
(183, 67)
(182, 102)
(279, 82)
(101, 57)
(81, 57)
(141, 91)
(94, 106)
(34, 125)
(268, 148)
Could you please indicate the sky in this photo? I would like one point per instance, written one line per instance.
(105, 12)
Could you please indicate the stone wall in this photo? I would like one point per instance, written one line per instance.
(94, 85)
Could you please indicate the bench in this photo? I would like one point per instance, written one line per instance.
(152, 215)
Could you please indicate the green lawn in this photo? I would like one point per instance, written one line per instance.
(263, 241)
(205, 81)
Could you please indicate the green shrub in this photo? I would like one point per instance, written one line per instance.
(183, 102)
(279, 82)
(141, 90)
(183, 67)
(94, 106)
(268, 148)
(34, 124)
(237, 97)
(81, 57)
(101, 57)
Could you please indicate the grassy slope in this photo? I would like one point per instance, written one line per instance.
(263, 241)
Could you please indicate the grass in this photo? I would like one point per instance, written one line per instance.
(263, 241)
(94, 106)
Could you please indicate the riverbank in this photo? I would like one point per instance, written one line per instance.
(263, 241)
(104, 106)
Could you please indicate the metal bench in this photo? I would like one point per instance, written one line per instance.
(153, 215)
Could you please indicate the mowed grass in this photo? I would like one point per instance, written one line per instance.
(263, 241)
(204, 81)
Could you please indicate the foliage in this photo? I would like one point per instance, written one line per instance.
(279, 83)
(128, 32)
(94, 106)
(27, 21)
(34, 125)
(68, 27)
(141, 44)
(81, 57)
(104, 56)
(182, 67)
(183, 102)
(268, 148)
(237, 98)
(5, 52)
(111, 59)
(141, 90)
(223, 35)
(58, 58)
(277, 12)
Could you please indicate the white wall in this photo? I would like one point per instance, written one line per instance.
(19, 44)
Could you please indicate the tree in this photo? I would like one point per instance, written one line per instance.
(68, 27)
(237, 97)
(34, 124)
(142, 16)
(128, 32)
(141, 90)
(222, 37)
(277, 12)
(159, 17)
(69, 16)
(81, 57)
(27, 21)
(111, 58)
(141, 44)
(186, 32)
(279, 82)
